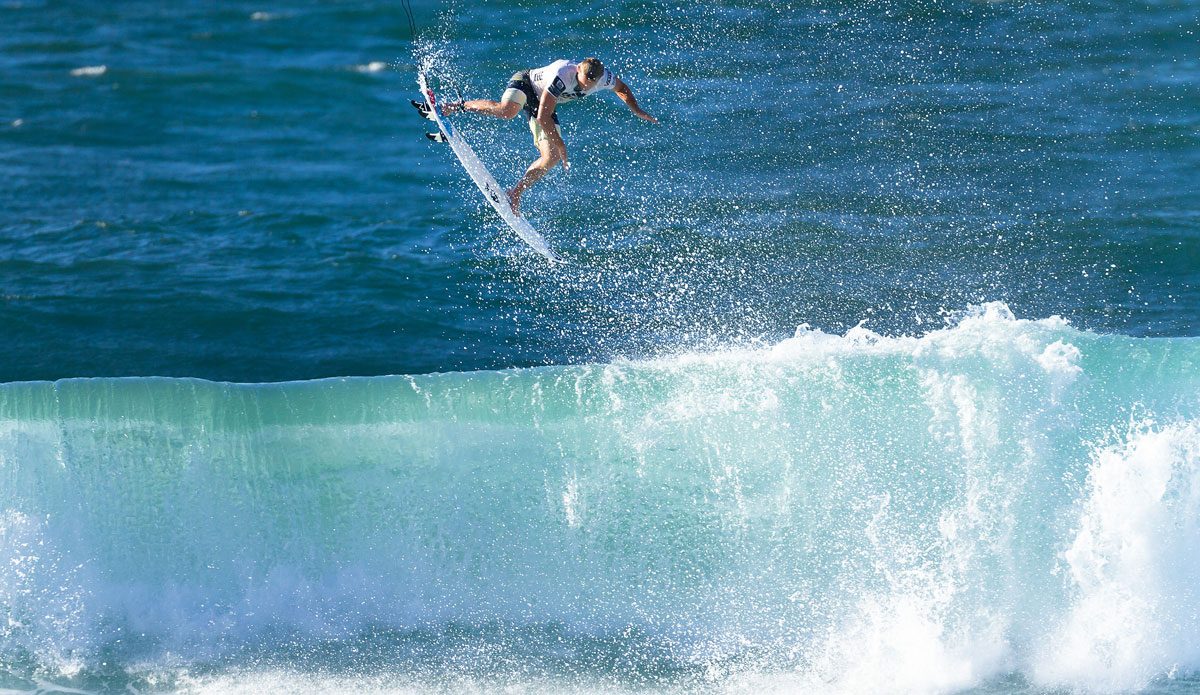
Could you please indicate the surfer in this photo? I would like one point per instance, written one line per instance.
(538, 92)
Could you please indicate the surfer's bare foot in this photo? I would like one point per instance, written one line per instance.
(514, 200)
(452, 107)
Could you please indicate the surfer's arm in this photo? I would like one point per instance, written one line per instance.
(626, 96)
(545, 118)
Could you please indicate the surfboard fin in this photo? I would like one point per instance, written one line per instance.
(436, 137)
(422, 108)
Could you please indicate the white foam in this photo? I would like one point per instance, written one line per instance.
(373, 66)
(989, 330)
(901, 644)
(1133, 567)
(89, 71)
(263, 17)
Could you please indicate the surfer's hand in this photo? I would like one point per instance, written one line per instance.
(645, 116)
(562, 152)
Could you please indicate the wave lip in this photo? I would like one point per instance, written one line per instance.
(839, 513)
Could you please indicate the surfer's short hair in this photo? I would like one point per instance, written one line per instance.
(592, 68)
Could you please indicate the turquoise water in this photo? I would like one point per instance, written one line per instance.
(1005, 504)
(875, 368)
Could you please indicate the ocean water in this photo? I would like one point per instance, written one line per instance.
(875, 369)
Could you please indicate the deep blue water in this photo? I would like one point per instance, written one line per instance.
(976, 469)
(236, 198)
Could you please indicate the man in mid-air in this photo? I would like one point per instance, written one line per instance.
(538, 92)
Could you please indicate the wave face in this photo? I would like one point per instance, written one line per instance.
(1002, 498)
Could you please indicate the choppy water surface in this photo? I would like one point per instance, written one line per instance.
(240, 192)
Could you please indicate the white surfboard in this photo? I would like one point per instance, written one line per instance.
(483, 178)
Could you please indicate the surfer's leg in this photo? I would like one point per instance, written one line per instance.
(537, 170)
(500, 109)
(515, 97)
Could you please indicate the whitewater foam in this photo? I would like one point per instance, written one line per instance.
(1133, 566)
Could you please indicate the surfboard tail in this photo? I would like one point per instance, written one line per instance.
(423, 109)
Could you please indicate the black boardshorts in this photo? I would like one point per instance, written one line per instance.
(521, 90)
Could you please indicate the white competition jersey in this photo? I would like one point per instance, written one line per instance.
(558, 78)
